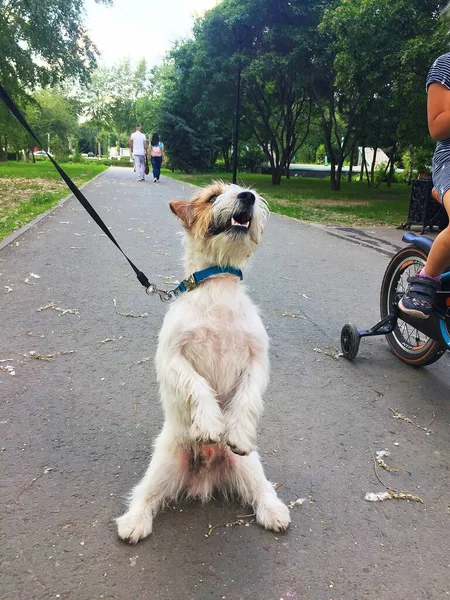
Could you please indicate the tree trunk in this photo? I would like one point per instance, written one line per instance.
(363, 162)
(350, 171)
(411, 165)
(339, 174)
(352, 162)
(277, 171)
(288, 166)
(383, 175)
(99, 147)
(276, 176)
(333, 180)
(226, 160)
(391, 173)
(367, 173)
(372, 168)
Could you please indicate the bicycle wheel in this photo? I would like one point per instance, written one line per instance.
(407, 343)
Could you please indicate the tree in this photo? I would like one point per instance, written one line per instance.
(182, 131)
(97, 108)
(269, 48)
(278, 111)
(360, 58)
(53, 119)
(44, 42)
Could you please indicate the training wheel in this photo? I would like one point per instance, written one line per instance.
(350, 339)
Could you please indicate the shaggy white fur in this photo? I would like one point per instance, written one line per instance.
(212, 365)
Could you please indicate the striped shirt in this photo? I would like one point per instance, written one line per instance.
(440, 73)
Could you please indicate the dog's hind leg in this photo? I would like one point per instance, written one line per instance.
(252, 487)
(163, 480)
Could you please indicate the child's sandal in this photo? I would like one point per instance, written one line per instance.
(419, 298)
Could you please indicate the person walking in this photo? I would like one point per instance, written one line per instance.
(138, 148)
(156, 155)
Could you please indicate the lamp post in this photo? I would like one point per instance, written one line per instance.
(240, 33)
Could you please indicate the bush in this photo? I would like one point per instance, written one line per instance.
(112, 162)
(76, 157)
(306, 154)
(320, 154)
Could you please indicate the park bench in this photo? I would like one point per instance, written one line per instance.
(424, 210)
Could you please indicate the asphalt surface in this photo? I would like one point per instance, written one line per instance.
(76, 431)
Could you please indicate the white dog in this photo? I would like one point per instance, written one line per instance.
(213, 369)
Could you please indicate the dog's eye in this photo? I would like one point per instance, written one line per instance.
(213, 199)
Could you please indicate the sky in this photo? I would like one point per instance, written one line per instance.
(140, 28)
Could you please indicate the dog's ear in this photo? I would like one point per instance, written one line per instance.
(183, 210)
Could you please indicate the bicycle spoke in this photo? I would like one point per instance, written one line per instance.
(411, 336)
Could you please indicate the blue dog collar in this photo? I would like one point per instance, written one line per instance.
(196, 278)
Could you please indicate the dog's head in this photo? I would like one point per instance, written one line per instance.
(224, 220)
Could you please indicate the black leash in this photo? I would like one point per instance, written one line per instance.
(142, 278)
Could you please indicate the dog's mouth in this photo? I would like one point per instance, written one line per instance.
(240, 222)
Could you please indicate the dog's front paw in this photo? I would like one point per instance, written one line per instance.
(134, 526)
(271, 513)
(240, 442)
(208, 427)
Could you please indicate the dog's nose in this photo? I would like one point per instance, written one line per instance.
(247, 198)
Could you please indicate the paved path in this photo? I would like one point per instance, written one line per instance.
(387, 240)
(83, 423)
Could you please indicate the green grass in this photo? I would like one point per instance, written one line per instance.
(27, 189)
(83, 171)
(311, 199)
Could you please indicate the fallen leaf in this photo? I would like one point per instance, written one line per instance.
(332, 353)
(391, 495)
(297, 502)
(379, 458)
(9, 369)
(37, 356)
(106, 340)
(49, 305)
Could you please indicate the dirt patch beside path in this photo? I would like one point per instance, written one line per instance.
(17, 190)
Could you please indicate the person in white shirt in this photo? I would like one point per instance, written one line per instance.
(138, 149)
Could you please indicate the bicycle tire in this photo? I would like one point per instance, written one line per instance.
(423, 350)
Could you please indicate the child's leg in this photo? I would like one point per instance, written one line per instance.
(419, 298)
(439, 256)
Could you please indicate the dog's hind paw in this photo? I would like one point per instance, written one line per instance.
(239, 443)
(133, 527)
(237, 451)
(273, 514)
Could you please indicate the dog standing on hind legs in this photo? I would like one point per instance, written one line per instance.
(212, 366)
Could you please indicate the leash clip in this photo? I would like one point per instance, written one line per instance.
(164, 295)
(190, 283)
